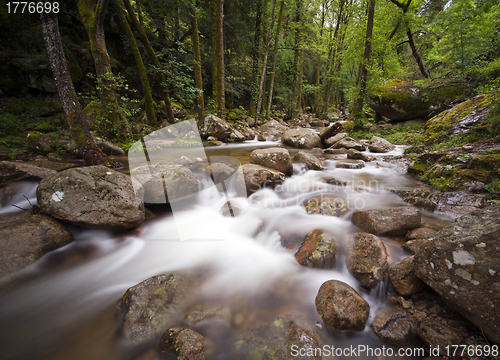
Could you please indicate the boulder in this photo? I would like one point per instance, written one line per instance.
(39, 143)
(256, 177)
(412, 245)
(436, 334)
(27, 238)
(93, 196)
(318, 250)
(273, 158)
(147, 309)
(325, 205)
(404, 279)
(420, 233)
(341, 307)
(219, 172)
(184, 343)
(330, 132)
(379, 145)
(273, 127)
(316, 151)
(350, 164)
(13, 171)
(348, 143)
(213, 126)
(461, 264)
(331, 151)
(396, 326)
(332, 140)
(393, 221)
(178, 181)
(301, 138)
(366, 258)
(236, 136)
(107, 147)
(311, 161)
(357, 155)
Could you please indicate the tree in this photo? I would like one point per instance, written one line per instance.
(273, 71)
(296, 70)
(218, 55)
(90, 152)
(254, 90)
(143, 74)
(197, 66)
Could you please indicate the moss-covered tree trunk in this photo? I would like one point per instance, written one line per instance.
(218, 55)
(254, 89)
(197, 67)
(264, 65)
(273, 71)
(143, 74)
(90, 152)
(93, 20)
(152, 56)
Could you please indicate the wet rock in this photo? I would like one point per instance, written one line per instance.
(273, 127)
(330, 133)
(332, 140)
(366, 258)
(436, 334)
(27, 238)
(301, 138)
(319, 123)
(331, 151)
(186, 344)
(178, 181)
(348, 143)
(340, 307)
(412, 245)
(51, 164)
(93, 196)
(316, 151)
(149, 308)
(13, 171)
(219, 172)
(379, 145)
(350, 164)
(396, 326)
(256, 177)
(327, 205)
(213, 126)
(461, 264)
(420, 233)
(394, 221)
(404, 279)
(357, 155)
(318, 250)
(274, 158)
(311, 161)
(236, 136)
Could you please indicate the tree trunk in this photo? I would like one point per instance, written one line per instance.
(273, 72)
(264, 65)
(363, 71)
(91, 154)
(152, 56)
(93, 20)
(299, 87)
(143, 74)
(197, 67)
(320, 40)
(416, 55)
(296, 58)
(254, 91)
(218, 55)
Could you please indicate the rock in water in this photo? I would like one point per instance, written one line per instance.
(404, 279)
(213, 126)
(274, 158)
(379, 145)
(184, 343)
(395, 221)
(341, 307)
(331, 132)
(94, 197)
(24, 241)
(318, 250)
(256, 177)
(396, 326)
(301, 138)
(311, 161)
(461, 263)
(366, 258)
(12, 171)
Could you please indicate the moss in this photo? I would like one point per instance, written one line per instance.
(44, 128)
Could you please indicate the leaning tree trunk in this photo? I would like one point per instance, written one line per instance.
(273, 72)
(197, 67)
(143, 74)
(152, 56)
(416, 55)
(87, 148)
(218, 55)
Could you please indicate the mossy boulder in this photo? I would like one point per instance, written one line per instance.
(399, 100)
(39, 143)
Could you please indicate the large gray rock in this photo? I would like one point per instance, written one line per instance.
(219, 172)
(256, 177)
(311, 161)
(394, 221)
(341, 307)
(24, 241)
(274, 158)
(318, 250)
(332, 140)
(366, 258)
(13, 170)
(379, 145)
(213, 126)
(178, 181)
(301, 138)
(273, 127)
(93, 196)
(396, 326)
(348, 143)
(357, 155)
(404, 279)
(461, 263)
(437, 334)
(151, 307)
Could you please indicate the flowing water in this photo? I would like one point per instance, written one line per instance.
(62, 307)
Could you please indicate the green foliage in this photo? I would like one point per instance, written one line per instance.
(402, 135)
(493, 187)
(442, 183)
